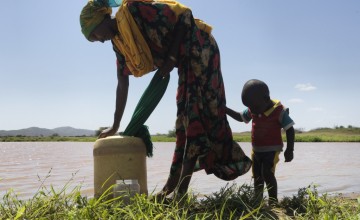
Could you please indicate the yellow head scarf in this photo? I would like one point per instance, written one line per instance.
(129, 41)
(132, 44)
(92, 15)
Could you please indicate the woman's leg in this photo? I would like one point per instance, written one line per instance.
(171, 184)
(186, 174)
(177, 163)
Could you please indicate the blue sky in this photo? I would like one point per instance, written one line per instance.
(308, 52)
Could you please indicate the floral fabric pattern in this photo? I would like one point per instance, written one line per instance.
(202, 128)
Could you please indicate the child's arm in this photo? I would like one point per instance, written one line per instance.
(290, 139)
(235, 115)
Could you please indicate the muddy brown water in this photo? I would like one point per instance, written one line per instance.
(26, 166)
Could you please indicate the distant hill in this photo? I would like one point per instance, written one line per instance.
(35, 131)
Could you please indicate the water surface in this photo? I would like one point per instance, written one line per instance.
(25, 167)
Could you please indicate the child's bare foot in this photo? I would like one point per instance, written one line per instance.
(273, 202)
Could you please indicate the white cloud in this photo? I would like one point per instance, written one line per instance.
(305, 87)
(295, 100)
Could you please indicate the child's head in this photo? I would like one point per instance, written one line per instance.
(256, 96)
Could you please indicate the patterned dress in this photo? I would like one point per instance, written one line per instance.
(202, 128)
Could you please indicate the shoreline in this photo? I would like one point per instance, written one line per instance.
(337, 134)
(351, 196)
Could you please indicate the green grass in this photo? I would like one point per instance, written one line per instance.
(341, 134)
(231, 202)
(308, 204)
(338, 134)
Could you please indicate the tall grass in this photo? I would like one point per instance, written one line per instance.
(308, 204)
(231, 202)
(49, 204)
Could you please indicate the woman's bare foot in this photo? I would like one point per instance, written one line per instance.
(161, 196)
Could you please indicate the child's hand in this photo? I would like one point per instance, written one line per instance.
(289, 155)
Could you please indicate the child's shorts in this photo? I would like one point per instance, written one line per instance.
(264, 160)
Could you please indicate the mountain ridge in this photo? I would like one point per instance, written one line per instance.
(37, 131)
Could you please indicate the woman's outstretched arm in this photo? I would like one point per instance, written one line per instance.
(121, 99)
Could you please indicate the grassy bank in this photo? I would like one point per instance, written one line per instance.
(339, 134)
(318, 135)
(232, 202)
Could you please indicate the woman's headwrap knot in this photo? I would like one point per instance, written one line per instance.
(92, 15)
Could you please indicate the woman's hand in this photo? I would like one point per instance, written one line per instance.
(107, 132)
